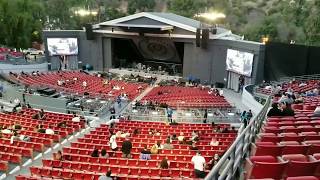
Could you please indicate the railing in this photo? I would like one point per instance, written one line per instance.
(232, 160)
(304, 77)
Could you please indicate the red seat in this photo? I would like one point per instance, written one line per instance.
(165, 173)
(314, 148)
(295, 149)
(273, 150)
(3, 166)
(265, 169)
(124, 170)
(303, 165)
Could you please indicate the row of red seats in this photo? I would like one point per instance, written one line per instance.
(95, 84)
(144, 173)
(175, 95)
(85, 150)
(290, 165)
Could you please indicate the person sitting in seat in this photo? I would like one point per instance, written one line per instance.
(194, 147)
(42, 115)
(41, 129)
(62, 124)
(151, 132)
(16, 127)
(104, 154)
(95, 153)
(286, 110)
(126, 148)
(181, 138)
(17, 137)
(213, 161)
(274, 111)
(84, 84)
(164, 164)
(214, 142)
(49, 130)
(145, 154)
(194, 136)
(124, 135)
(167, 145)
(6, 130)
(155, 148)
(106, 177)
(58, 156)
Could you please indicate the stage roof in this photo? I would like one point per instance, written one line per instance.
(159, 22)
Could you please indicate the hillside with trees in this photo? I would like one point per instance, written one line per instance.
(279, 20)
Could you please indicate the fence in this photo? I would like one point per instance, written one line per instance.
(232, 160)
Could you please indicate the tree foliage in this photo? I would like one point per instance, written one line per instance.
(140, 5)
(22, 21)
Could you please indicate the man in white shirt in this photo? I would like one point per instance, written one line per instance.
(181, 137)
(84, 84)
(49, 131)
(199, 164)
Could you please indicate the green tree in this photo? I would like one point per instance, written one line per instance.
(20, 22)
(312, 25)
(140, 5)
(187, 8)
(113, 13)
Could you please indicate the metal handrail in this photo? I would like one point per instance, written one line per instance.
(304, 77)
(234, 156)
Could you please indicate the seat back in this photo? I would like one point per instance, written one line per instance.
(268, 170)
(273, 150)
(295, 149)
(302, 168)
(263, 159)
(295, 157)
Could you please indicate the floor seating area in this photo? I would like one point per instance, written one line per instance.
(78, 163)
(186, 97)
(95, 85)
(287, 147)
(17, 151)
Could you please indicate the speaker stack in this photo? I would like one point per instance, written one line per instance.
(198, 36)
(89, 32)
(204, 38)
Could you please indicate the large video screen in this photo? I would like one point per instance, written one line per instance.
(239, 62)
(62, 46)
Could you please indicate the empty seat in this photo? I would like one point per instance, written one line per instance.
(300, 165)
(272, 168)
(273, 150)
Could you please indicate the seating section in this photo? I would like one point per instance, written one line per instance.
(186, 97)
(39, 142)
(289, 147)
(95, 85)
(78, 163)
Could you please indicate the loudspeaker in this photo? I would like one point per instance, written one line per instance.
(205, 38)
(198, 33)
(214, 31)
(89, 32)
